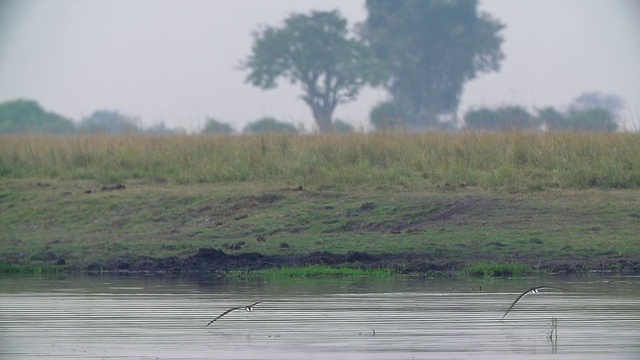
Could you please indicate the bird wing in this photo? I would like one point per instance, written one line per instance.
(233, 309)
(224, 313)
(254, 304)
(533, 290)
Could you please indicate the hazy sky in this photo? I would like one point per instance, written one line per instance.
(176, 61)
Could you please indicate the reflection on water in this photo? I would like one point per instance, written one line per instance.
(126, 317)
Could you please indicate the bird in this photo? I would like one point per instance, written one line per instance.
(247, 308)
(533, 290)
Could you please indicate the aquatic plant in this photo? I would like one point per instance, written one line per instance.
(6, 268)
(489, 269)
(553, 330)
(553, 335)
(312, 271)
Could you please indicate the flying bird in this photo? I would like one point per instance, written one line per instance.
(247, 308)
(533, 290)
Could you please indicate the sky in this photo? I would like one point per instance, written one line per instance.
(177, 62)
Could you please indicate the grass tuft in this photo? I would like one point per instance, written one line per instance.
(318, 271)
(6, 268)
(487, 269)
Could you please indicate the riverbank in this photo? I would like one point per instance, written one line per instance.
(137, 225)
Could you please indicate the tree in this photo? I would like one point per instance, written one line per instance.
(507, 118)
(214, 126)
(107, 121)
(162, 129)
(553, 119)
(342, 127)
(595, 111)
(315, 51)
(431, 48)
(387, 116)
(269, 125)
(596, 100)
(26, 116)
(593, 120)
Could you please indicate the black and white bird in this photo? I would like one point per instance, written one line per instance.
(247, 308)
(533, 290)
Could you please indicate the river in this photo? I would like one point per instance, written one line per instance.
(164, 317)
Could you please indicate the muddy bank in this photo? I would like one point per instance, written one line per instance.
(209, 260)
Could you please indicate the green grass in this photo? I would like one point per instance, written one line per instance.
(487, 269)
(44, 222)
(318, 271)
(6, 268)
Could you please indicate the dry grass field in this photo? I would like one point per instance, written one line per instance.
(497, 161)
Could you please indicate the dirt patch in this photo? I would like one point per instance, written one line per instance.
(461, 212)
(113, 187)
(457, 209)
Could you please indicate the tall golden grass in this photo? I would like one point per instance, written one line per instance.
(487, 160)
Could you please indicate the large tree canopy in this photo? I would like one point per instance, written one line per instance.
(315, 51)
(431, 47)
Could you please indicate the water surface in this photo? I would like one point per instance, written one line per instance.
(152, 317)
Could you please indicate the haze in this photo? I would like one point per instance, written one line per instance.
(177, 62)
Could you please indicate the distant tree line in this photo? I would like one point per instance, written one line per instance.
(266, 125)
(28, 117)
(589, 112)
(515, 118)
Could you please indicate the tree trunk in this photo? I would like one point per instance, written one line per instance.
(323, 119)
